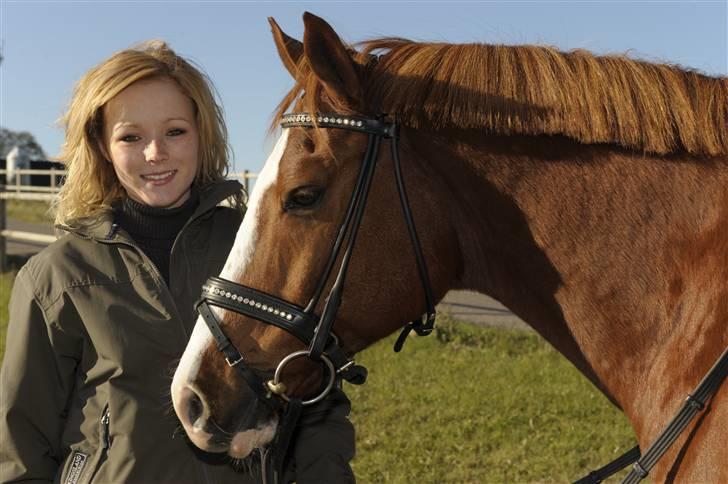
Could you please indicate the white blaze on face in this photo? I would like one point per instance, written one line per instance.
(244, 247)
(240, 256)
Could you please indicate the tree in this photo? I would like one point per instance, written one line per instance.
(10, 139)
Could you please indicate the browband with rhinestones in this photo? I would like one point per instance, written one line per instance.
(331, 120)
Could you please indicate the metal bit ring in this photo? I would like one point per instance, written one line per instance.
(276, 386)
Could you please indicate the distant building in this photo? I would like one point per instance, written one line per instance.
(18, 159)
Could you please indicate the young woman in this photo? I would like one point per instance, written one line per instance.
(100, 317)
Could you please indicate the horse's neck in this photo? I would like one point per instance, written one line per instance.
(582, 243)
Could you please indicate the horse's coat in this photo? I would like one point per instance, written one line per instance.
(588, 194)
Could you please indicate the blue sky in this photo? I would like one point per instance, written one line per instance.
(49, 44)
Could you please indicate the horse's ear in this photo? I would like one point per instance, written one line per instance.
(289, 49)
(330, 61)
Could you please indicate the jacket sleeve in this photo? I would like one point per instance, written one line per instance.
(36, 380)
(324, 443)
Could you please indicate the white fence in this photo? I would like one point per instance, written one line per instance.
(19, 192)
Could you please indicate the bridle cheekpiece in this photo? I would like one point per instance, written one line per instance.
(303, 323)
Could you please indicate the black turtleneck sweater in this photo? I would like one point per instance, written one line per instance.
(155, 229)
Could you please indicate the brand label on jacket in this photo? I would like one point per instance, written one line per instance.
(78, 462)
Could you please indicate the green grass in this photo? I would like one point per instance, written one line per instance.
(29, 211)
(471, 405)
(6, 283)
(474, 404)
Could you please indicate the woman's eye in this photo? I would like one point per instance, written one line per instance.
(303, 198)
(129, 138)
(175, 132)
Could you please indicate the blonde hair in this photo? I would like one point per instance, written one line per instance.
(91, 185)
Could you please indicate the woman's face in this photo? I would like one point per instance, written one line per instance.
(151, 138)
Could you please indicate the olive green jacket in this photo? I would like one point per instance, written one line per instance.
(94, 336)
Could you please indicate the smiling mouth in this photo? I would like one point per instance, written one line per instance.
(159, 177)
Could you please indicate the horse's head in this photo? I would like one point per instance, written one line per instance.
(284, 246)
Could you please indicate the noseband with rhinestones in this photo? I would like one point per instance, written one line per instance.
(316, 331)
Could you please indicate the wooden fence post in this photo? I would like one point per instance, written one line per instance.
(3, 264)
(246, 182)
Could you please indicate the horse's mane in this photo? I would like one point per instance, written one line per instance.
(657, 108)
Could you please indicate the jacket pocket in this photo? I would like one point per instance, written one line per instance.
(83, 461)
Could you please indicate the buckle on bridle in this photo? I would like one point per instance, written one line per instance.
(232, 364)
(426, 325)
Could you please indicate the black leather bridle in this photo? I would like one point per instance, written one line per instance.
(316, 331)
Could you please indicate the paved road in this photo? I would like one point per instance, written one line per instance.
(480, 309)
(462, 305)
(16, 248)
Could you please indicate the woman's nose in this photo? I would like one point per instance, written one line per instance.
(156, 151)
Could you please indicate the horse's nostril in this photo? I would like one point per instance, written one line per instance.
(195, 408)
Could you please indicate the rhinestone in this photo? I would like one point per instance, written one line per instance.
(276, 312)
(270, 309)
(308, 118)
(326, 120)
(246, 300)
(264, 307)
(283, 315)
(338, 120)
(252, 303)
(257, 305)
(358, 123)
(227, 295)
(289, 317)
(346, 121)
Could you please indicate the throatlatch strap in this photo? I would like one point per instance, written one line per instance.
(423, 326)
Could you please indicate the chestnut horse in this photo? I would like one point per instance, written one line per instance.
(589, 194)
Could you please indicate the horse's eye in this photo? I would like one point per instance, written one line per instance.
(305, 197)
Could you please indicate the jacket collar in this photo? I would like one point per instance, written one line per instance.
(101, 227)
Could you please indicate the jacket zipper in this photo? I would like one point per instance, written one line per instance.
(105, 436)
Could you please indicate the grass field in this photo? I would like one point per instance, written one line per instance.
(475, 404)
(6, 282)
(472, 405)
(29, 211)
